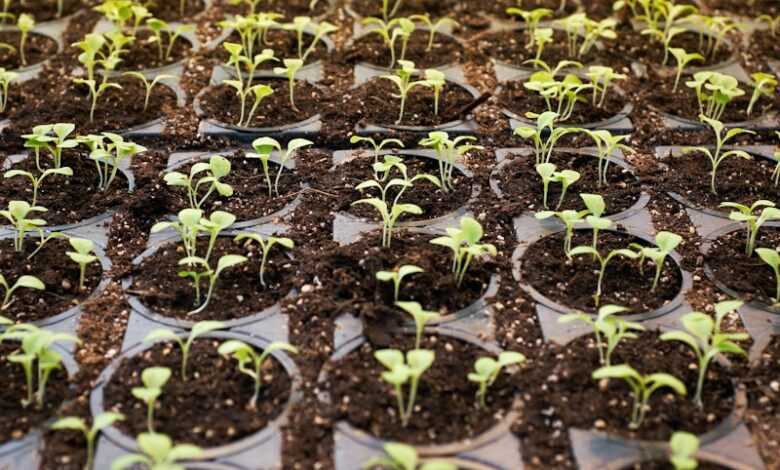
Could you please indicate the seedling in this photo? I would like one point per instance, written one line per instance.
(532, 19)
(389, 33)
(244, 89)
(187, 225)
(377, 147)
(404, 457)
(464, 243)
(705, 337)
(96, 91)
(390, 8)
(542, 37)
(82, 255)
(549, 174)
(569, 218)
(606, 145)
(212, 275)
(433, 26)
(217, 168)
(27, 282)
(487, 369)
(25, 23)
(17, 214)
(683, 447)
(57, 143)
(666, 243)
(752, 221)
(149, 85)
(448, 153)
(159, 27)
(403, 80)
(714, 91)
(717, 157)
(421, 318)
(404, 30)
(683, 58)
(247, 356)
(264, 146)
(36, 181)
(601, 78)
(545, 135)
(436, 80)
(397, 276)
(608, 329)
(642, 387)
(101, 421)
(198, 329)
(321, 30)
(400, 372)
(291, 67)
(566, 92)
(764, 84)
(109, 156)
(265, 246)
(158, 453)
(603, 262)
(6, 78)
(596, 207)
(154, 379)
(772, 258)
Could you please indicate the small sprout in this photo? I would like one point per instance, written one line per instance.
(433, 26)
(400, 372)
(603, 262)
(321, 30)
(596, 207)
(217, 168)
(187, 225)
(448, 153)
(265, 146)
(154, 379)
(37, 181)
(764, 84)
(405, 29)
(403, 80)
(683, 59)
(400, 456)
(149, 85)
(17, 214)
(421, 318)
(377, 147)
(545, 135)
(108, 157)
(82, 255)
(243, 90)
(25, 23)
(27, 282)
(198, 329)
(542, 37)
(6, 78)
(436, 81)
(246, 355)
(464, 243)
(683, 447)
(752, 221)
(212, 275)
(723, 88)
(666, 243)
(601, 78)
(96, 91)
(608, 329)
(606, 145)
(389, 32)
(569, 218)
(772, 258)
(100, 422)
(158, 453)
(532, 19)
(214, 225)
(397, 276)
(566, 92)
(265, 246)
(705, 337)
(291, 67)
(487, 369)
(642, 387)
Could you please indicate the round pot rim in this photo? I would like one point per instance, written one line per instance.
(201, 113)
(639, 205)
(112, 433)
(174, 322)
(493, 434)
(379, 68)
(40, 31)
(674, 304)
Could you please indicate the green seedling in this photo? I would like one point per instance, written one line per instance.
(206, 271)
(436, 80)
(714, 91)
(376, 147)
(434, 26)
(683, 58)
(596, 208)
(487, 369)
(25, 23)
(6, 78)
(542, 37)
(17, 215)
(532, 19)
(397, 276)
(217, 168)
(217, 222)
(608, 329)
(291, 67)
(244, 90)
(764, 84)
(569, 218)
(666, 243)
(400, 372)
(421, 318)
(26, 282)
(448, 153)
(251, 363)
(149, 85)
(404, 457)
(545, 136)
(606, 145)
(101, 421)
(36, 181)
(388, 31)
(265, 246)
(198, 329)
(753, 222)
(601, 78)
(603, 262)
(109, 156)
(403, 81)
(772, 258)
(82, 255)
(549, 174)
(683, 447)
(158, 453)
(154, 379)
(464, 242)
(187, 225)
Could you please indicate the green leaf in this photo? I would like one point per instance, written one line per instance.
(155, 377)
(404, 455)
(70, 422)
(30, 282)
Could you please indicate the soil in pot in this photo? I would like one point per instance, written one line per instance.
(765, 44)
(69, 102)
(371, 48)
(37, 48)
(435, 8)
(222, 104)
(683, 102)
(509, 46)
(635, 46)
(431, 199)
(522, 187)
(55, 269)
(44, 10)
(764, 401)
(661, 465)
(377, 102)
(283, 43)
(288, 8)
(210, 408)
(446, 410)
(519, 100)
(758, 7)
(572, 282)
(238, 292)
(19, 420)
(737, 180)
(250, 199)
(170, 10)
(69, 199)
(749, 276)
(560, 393)
(144, 52)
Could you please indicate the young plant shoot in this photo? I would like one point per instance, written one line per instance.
(154, 379)
(74, 423)
(683, 58)
(772, 258)
(545, 135)
(17, 215)
(487, 369)
(149, 85)
(714, 91)
(24, 282)
(157, 453)
(400, 456)
(36, 181)
(217, 168)
(290, 69)
(421, 318)
(82, 255)
(187, 225)
(606, 146)
(683, 447)
(764, 84)
(265, 146)
(376, 147)
(198, 329)
(199, 268)
(400, 372)
(403, 81)
(569, 218)
(6, 78)
(609, 329)
(603, 262)
(596, 208)
(465, 246)
(397, 276)
(549, 174)
(448, 153)
(265, 246)
(753, 222)
(666, 243)
(251, 363)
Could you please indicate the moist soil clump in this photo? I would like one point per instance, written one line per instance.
(37, 48)
(764, 401)
(371, 48)
(209, 409)
(55, 269)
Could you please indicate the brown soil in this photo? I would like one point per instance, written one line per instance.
(658, 465)
(238, 292)
(371, 48)
(758, 7)
(516, 98)
(635, 46)
(55, 269)
(522, 187)
(69, 199)
(737, 180)
(250, 199)
(144, 53)
(764, 43)
(749, 276)
(509, 46)
(170, 10)
(210, 409)
(221, 103)
(764, 401)
(283, 43)
(573, 282)
(561, 394)
(446, 410)
(68, 102)
(433, 201)
(37, 48)
(17, 420)
(377, 103)
(289, 8)
(44, 10)
(436, 8)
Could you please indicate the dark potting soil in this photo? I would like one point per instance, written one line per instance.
(289, 9)
(764, 398)
(683, 103)
(737, 180)
(250, 199)
(661, 465)
(237, 294)
(435, 8)
(747, 275)
(764, 43)
(209, 409)
(371, 48)
(446, 410)
(377, 102)
(560, 393)
(283, 43)
(349, 273)
(69, 199)
(522, 187)
(19, 420)
(170, 10)
(519, 100)
(756, 8)
(431, 199)
(69, 102)
(144, 52)
(509, 46)
(572, 282)
(222, 104)
(37, 48)
(44, 10)
(55, 269)
(634, 46)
